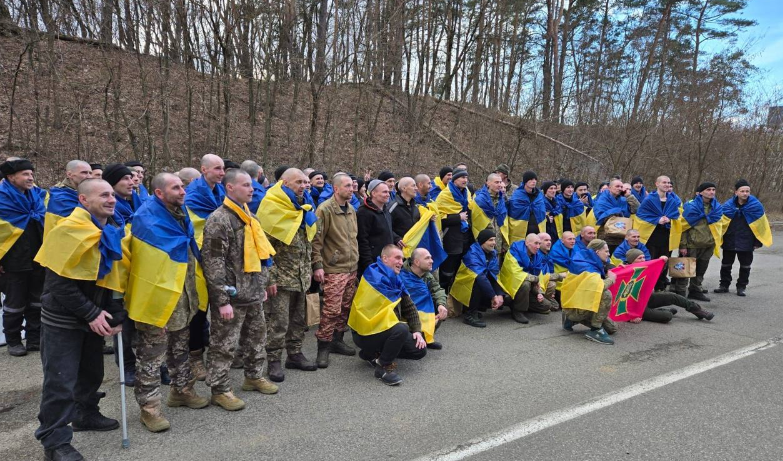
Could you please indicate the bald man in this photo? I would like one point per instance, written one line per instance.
(403, 207)
(586, 236)
(423, 188)
(187, 175)
(63, 197)
(289, 279)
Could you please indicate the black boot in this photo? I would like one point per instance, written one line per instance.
(471, 318)
(698, 296)
(721, 289)
(338, 345)
(16, 349)
(94, 422)
(63, 453)
(300, 362)
(276, 373)
(322, 360)
(519, 316)
(741, 291)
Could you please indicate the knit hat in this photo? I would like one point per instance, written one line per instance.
(596, 244)
(133, 163)
(528, 176)
(547, 185)
(359, 183)
(485, 235)
(637, 179)
(228, 164)
(444, 171)
(631, 255)
(565, 183)
(459, 174)
(503, 168)
(705, 185)
(15, 166)
(580, 184)
(385, 175)
(279, 171)
(741, 183)
(373, 184)
(315, 173)
(96, 166)
(114, 172)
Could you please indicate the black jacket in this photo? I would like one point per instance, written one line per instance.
(455, 242)
(72, 304)
(20, 257)
(374, 233)
(739, 236)
(404, 215)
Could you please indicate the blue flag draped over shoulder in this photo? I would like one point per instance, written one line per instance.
(517, 265)
(62, 201)
(640, 195)
(200, 202)
(618, 257)
(607, 205)
(584, 287)
(326, 193)
(159, 249)
(561, 256)
(421, 297)
(753, 213)
(378, 293)
(474, 263)
(258, 194)
(16, 211)
(124, 209)
(483, 211)
(651, 211)
(283, 216)
(693, 212)
(519, 210)
(140, 196)
(424, 234)
(573, 210)
(453, 200)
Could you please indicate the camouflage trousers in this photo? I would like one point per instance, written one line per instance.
(592, 319)
(338, 295)
(285, 323)
(526, 299)
(153, 345)
(248, 328)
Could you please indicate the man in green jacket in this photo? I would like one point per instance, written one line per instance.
(420, 265)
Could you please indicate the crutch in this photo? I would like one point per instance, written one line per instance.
(125, 440)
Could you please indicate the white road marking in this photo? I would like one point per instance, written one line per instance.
(539, 423)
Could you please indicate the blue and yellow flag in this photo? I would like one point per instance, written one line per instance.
(555, 210)
(124, 208)
(255, 247)
(513, 274)
(140, 196)
(437, 188)
(618, 257)
(323, 195)
(282, 215)
(754, 215)
(62, 201)
(429, 202)
(258, 194)
(607, 205)
(200, 202)
(159, 263)
(561, 257)
(81, 249)
(519, 209)
(651, 211)
(378, 293)
(474, 263)
(573, 210)
(483, 212)
(583, 288)
(693, 212)
(453, 200)
(424, 234)
(421, 297)
(16, 211)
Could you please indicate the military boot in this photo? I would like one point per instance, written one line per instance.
(153, 419)
(300, 362)
(519, 316)
(338, 345)
(228, 401)
(197, 365)
(261, 385)
(322, 360)
(186, 397)
(275, 371)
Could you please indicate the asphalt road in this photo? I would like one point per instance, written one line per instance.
(482, 383)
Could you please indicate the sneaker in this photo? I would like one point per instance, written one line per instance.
(599, 336)
(387, 375)
(721, 289)
(17, 350)
(740, 291)
(435, 346)
(568, 325)
(63, 453)
(698, 296)
(95, 422)
(300, 362)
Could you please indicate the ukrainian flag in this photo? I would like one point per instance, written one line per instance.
(453, 201)
(16, 211)
(753, 213)
(430, 204)
(650, 212)
(618, 257)
(573, 210)
(438, 188)
(474, 263)
(519, 210)
(512, 274)
(62, 201)
(607, 205)
(482, 212)
(424, 234)
(140, 196)
(583, 288)
(78, 248)
(282, 215)
(200, 202)
(159, 264)
(420, 294)
(693, 212)
(561, 259)
(378, 293)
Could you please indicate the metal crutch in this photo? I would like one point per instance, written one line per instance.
(125, 439)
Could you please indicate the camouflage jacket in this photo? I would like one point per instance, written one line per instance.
(223, 261)
(437, 292)
(292, 268)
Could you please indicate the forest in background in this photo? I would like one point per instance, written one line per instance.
(570, 88)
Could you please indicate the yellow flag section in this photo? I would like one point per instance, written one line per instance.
(511, 275)
(650, 212)
(543, 281)
(582, 291)
(415, 233)
(117, 279)
(281, 217)
(256, 246)
(462, 287)
(480, 221)
(372, 309)
(9, 234)
(446, 204)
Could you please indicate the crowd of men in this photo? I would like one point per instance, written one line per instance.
(211, 269)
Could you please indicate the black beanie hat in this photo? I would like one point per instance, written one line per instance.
(444, 171)
(741, 183)
(546, 185)
(114, 172)
(15, 166)
(580, 184)
(565, 183)
(705, 185)
(485, 235)
(385, 175)
(528, 176)
(315, 173)
(280, 170)
(458, 174)
(228, 164)
(96, 166)
(637, 179)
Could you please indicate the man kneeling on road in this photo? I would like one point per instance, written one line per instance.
(476, 284)
(426, 293)
(376, 321)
